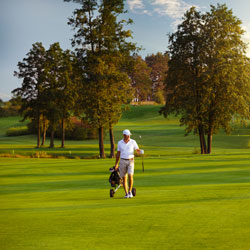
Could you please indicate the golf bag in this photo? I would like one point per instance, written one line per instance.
(114, 180)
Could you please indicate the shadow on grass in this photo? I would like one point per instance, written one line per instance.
(164, 179)
(52, 186)
(195, 179)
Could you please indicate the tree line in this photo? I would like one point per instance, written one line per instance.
(203, 78)
(93, 81)
(10, 107)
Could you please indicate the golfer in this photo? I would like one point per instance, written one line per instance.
(125, 152)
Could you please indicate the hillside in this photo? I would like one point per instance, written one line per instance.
(157, 135)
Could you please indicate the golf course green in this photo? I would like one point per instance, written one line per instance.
(184, 200)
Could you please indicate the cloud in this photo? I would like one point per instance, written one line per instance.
(171, 8)
(135, 4)
(138, 7)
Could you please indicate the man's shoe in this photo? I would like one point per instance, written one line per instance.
(126, 196)
(130, 195)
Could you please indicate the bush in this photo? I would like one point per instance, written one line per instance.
(78, 131)
(17, 131)
(7, 109)
(10, 111)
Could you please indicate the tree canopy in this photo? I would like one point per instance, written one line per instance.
(101, 45)
(208, 78)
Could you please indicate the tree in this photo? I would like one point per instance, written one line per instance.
(31, 70)
(141, 81)
(227, 71)
(159, 67)
(208, 77)
(102, 49)
(60, 93)
(2, 113)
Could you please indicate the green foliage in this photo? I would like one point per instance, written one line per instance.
(8, 111)
(159, 66)
(141, 81)
(10, 108)
(78, 131)
(208, 78)
(48, 91)
(159, 97)
(32, 73)
(74, 130)
(31, 70)
(102, 49)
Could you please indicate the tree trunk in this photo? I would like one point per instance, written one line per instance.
(44, 131)
(101, 143)
(112, 142)
(209, 142)
(210, 133)
(63, 133)
(38, 133)
(52, 138)
(202, 140)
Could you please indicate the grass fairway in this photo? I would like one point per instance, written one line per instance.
(203, 203)
(184, 200)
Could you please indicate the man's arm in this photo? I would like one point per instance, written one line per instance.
(138, 151)
(117, 159)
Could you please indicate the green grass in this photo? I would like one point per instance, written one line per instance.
(184, 200)
(157, 135)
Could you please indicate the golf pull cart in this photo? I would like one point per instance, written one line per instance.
(116, 181)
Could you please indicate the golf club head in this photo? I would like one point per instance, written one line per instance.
(111, 170)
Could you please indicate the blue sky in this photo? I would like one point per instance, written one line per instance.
(24, 22)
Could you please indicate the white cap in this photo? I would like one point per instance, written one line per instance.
(126, 132)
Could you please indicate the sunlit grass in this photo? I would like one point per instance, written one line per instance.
(159, 136)
(184, 200)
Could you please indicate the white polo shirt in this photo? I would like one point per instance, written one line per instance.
(127, 149)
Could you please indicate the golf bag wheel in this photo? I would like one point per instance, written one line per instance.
(134, 191)
(112, 193)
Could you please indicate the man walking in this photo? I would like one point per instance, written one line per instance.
(125, 152)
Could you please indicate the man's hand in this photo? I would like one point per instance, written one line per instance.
(116, 167)
(140, 151)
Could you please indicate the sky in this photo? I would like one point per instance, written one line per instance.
(25, 22)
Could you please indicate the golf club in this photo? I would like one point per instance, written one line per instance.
(142, 162)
